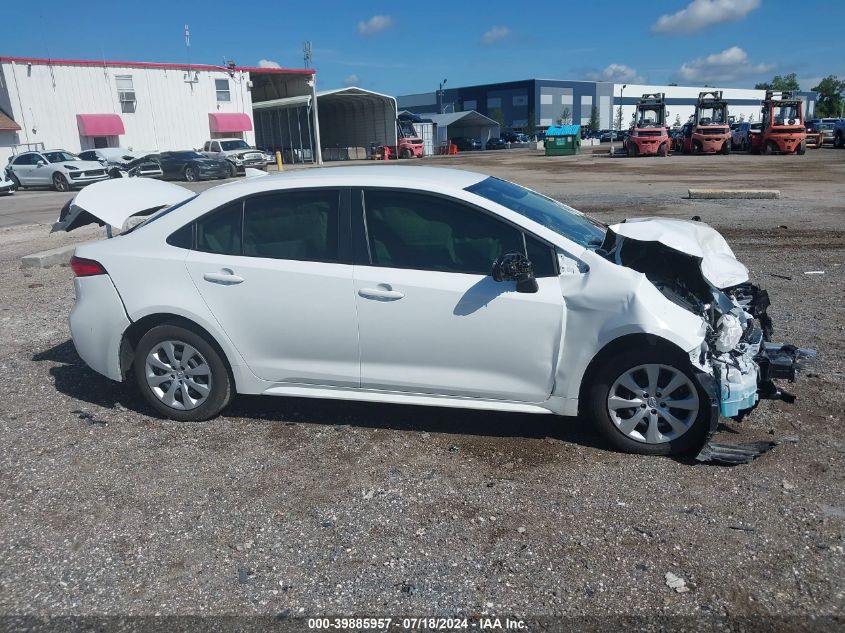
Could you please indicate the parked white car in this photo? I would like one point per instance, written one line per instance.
(237, 152)
(421, 286)
(121, 163)
(55, 168)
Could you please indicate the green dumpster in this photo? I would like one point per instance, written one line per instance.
(563, 140)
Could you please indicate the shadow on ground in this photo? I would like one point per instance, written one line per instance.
(76, 380)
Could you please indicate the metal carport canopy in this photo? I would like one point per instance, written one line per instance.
(469, 123)
(354, 117)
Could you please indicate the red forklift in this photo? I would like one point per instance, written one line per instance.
(708, 132)
(409, 143)
(648, 135)
(782, 129)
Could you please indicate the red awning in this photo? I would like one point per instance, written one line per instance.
(229, 122)
(100, 124)
(7, 124)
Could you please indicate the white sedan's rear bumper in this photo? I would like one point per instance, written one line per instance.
(97, 323)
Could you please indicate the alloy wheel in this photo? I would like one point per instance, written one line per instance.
(60, 183)
(653, 403)
(190, 174)
(178, 375)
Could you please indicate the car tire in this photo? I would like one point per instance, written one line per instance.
(607, 383)
(768, 148)
(663, 150)
(186, 389)
(233, 170)
(405, 154)
(839, 140)
(60, 183)
(696, 147)
(726, 147)
(190, 173)
(15, 180)
(802, 148)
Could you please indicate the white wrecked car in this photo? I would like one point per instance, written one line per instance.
(421, 286)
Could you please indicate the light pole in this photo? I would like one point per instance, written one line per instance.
(613, 119)
(440, 107)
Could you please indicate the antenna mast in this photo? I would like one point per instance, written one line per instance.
(306, 54)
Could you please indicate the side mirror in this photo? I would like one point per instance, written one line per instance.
(40, 163)
(515, 267)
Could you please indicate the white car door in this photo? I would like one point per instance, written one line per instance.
(23, 167)
(432, 319)
(268, 269)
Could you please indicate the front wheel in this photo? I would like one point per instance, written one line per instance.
(663, 150)
(233, 170)
(180, 374)
(802, 148)
(839, 140)
(726, 147)
(649, 402)
(60, 183)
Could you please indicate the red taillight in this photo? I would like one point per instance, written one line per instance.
(86, 267)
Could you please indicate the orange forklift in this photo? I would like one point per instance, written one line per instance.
(708, 132)
(782, 129)
(648, 135)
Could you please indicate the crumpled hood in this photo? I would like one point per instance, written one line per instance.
(719, 265)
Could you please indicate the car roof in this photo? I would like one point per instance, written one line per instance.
(375, 175)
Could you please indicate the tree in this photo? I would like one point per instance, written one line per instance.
(531, 124)
(830, 91)
(742, 117)
(780, 82)
(593, 125)
(498, 116)
(566, 116)
(618, 119)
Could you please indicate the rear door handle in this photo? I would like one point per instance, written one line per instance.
(383, 292)
(225, 277)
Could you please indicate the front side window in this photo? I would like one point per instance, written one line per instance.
(125, 93)
(552, 214)
(222, 88)
(297, 225)
(425, 232)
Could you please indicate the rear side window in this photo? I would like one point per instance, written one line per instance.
(221, 231)
(297, 225)
(425, 232)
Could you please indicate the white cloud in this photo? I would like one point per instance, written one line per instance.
(729, 66)
(351, 80)
(268, 63)
(617, 73)
(495, 34)
(375, 24)
(700, 14)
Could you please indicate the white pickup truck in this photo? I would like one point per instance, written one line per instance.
(236, 152)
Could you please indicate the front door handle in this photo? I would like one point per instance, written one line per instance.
(225, 277)
(383, 292)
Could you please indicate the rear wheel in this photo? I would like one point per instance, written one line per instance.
(839, 140)
(802, 148)
(696, 147)
(60, 183)
(663, 150)
(180, 374)
(769, 148)
(405, 153)
(648, 401)
(726, 147)
(190, 173)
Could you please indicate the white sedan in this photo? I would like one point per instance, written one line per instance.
(421, 286)
(55, 168)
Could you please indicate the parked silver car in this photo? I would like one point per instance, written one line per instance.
(55, 168)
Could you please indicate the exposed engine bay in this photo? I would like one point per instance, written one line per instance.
(737, 360)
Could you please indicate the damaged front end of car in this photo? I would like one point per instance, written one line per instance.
(737, 364)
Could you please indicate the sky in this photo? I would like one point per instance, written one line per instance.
(408, 47)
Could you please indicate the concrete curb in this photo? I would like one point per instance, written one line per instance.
(734, 194)
(54, 257)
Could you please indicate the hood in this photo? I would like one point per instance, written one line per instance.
(114, 201)
(719, 266)
(209, 162)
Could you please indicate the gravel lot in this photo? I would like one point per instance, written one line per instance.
(310, 508)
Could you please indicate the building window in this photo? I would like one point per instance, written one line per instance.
(222, 87)
(125, 93)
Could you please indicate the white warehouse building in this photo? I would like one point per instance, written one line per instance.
(83, 104)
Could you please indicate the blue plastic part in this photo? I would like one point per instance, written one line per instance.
(737, 396)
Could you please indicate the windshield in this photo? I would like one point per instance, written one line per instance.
(787, 114)
(59, 157)
(230, 145)
(649, 117)
(711, 115)
(552, 214)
